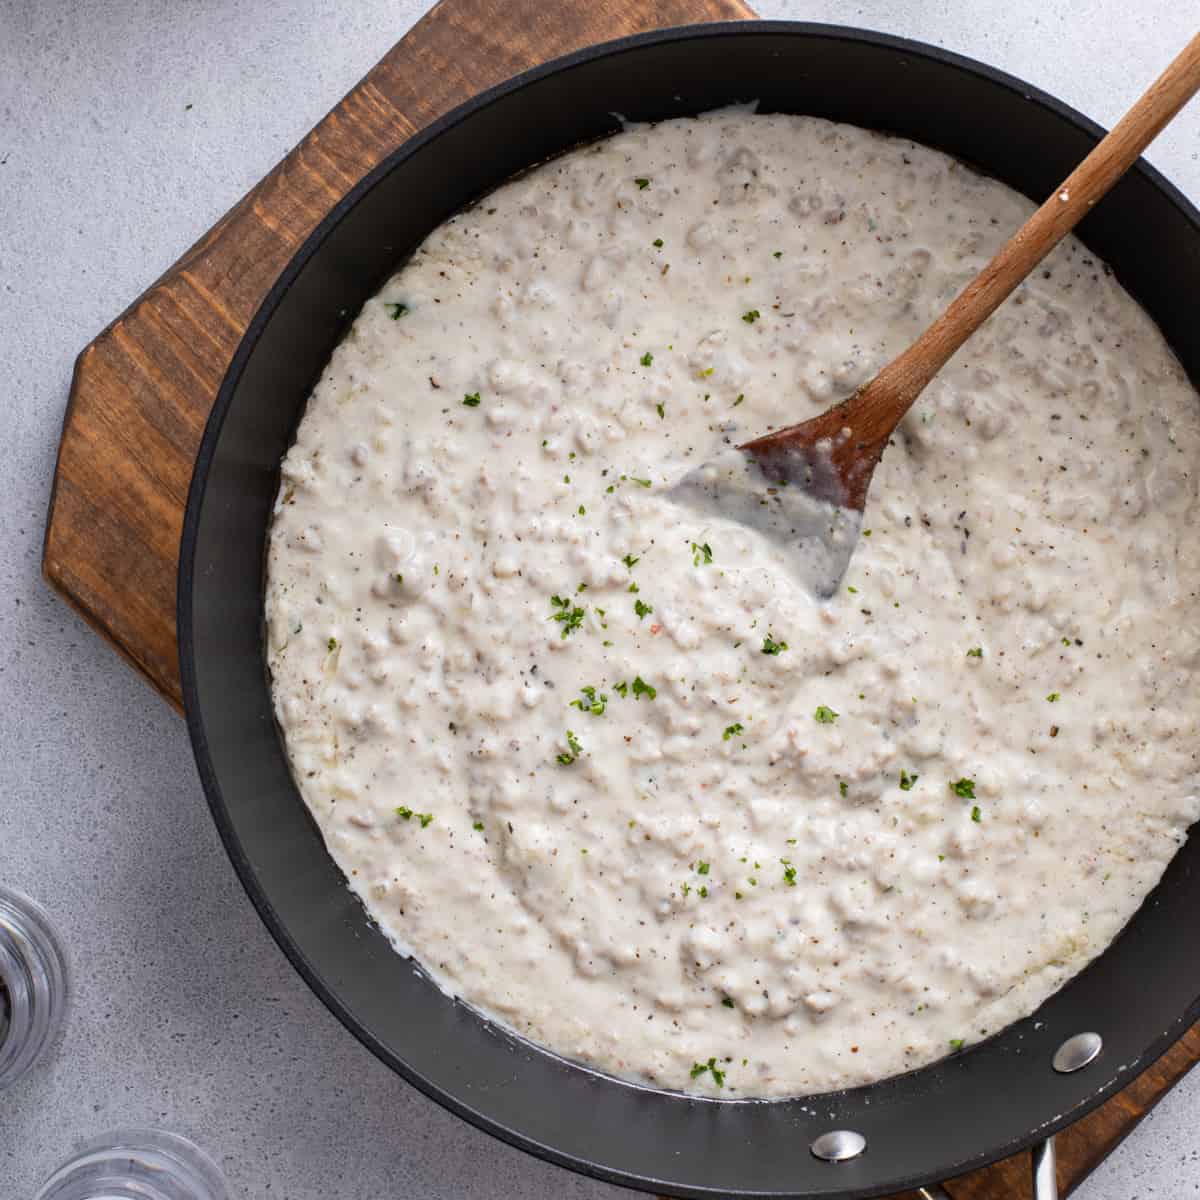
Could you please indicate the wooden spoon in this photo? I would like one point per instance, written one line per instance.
(826, 463)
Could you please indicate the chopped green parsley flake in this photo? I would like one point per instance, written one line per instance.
(642, 184)
(407, 814)
(907, 781)
(633, 588)
(630, 561)
(976, 814)
(573, 751)
(732, 731)
(701, 553)
(661, 410)
(711, 1067)
(704, 893)
(622, 689)
(770, 646)
(964, 788)
(395, 309)
(570, 616)
(1054, 697)
(751, 316)
(478, 825)
(702, 868)
(741, 397)
(789, 873)
(658, 243)
(642, 688)
(843, 787)
(727, 1002)
(471, 400)
(332, 643)
(956, 1043)
(640, 482)
(825, 715)
(975, 652)
(646, 359)
(642, 609)
(778, 253)
(852, 590)
(591, 702)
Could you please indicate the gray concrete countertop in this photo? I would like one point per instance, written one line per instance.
(126, 128)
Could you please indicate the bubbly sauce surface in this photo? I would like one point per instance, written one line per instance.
(595, 759)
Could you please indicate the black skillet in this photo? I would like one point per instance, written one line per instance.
(986, 1103)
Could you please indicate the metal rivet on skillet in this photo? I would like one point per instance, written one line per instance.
(1076, 1052)
(838, 1145)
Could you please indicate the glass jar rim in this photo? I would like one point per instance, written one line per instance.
(34, 980)
(146, 1164)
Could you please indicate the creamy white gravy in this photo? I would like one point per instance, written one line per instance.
(595, 759)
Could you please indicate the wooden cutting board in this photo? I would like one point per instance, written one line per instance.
(143, 389)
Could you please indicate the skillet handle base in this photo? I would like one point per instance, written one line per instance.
(1045, 1164)
(1045, 1181)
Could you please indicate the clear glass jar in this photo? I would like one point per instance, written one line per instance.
(137, 1164)
(33, 984)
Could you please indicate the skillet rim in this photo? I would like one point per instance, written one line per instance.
(1112, 1082)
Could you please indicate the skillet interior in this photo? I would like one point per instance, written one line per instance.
(932, 1123)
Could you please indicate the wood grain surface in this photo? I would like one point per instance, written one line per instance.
(143, 389)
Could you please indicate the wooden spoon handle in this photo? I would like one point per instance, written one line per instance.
(903, 379)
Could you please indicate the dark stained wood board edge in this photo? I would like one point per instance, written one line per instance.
(142, 390)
